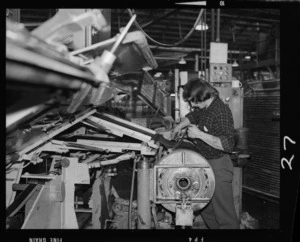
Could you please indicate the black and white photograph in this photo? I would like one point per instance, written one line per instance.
(161, 123)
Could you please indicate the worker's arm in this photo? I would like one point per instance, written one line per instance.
(183, 124)
(221, 135)
(195, 133)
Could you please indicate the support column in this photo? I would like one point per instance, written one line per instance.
(143, 195)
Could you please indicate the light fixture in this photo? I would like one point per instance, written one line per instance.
(247, 57)
(201, 26)
(235, 64)
(158, 74)
(182, 61)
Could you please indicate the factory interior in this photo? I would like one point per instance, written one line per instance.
(92, 100)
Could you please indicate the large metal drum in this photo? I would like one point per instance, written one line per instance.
(183, 175)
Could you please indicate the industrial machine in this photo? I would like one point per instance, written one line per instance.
(65, 147)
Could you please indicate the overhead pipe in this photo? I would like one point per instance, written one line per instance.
(186, 58)
(188, 49)
(218, 25)
(212, 25)
(168, 45)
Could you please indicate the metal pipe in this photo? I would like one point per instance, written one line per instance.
(143, 195)
(187, 49)
(202, 51)
(218, 25)
(94, 46)
(212, 25)
(172, 58)
(196, 62)
(123, 34)
(205, 43)
(131, 192)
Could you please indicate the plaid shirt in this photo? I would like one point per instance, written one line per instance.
(217, 119)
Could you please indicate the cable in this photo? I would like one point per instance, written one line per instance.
(131, 192)
(163, 44)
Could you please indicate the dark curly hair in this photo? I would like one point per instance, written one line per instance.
(197, 90)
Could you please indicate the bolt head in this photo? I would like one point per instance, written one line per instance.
(65, 162)
(196, 185)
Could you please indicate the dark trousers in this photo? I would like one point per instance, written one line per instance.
(220, 212)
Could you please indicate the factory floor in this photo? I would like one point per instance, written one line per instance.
(265, 211)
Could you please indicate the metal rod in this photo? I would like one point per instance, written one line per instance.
(131, 193)
(212, 25)
(172, 58)
(196, 62)
(143, 195)
(205, 51)
(218, 25)
(83, 210)
(92, 47)
(123, 34)
(202, 51)
(187, 49)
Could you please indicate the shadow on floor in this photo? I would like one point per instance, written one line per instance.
(265, 211)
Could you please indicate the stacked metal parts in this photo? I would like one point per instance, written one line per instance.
(66, 152)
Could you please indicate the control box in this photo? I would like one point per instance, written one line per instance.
(220, 72)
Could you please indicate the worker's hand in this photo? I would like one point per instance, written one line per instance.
(193, 132)
(175, 132)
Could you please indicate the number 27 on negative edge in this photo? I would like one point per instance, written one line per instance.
(289, 162)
